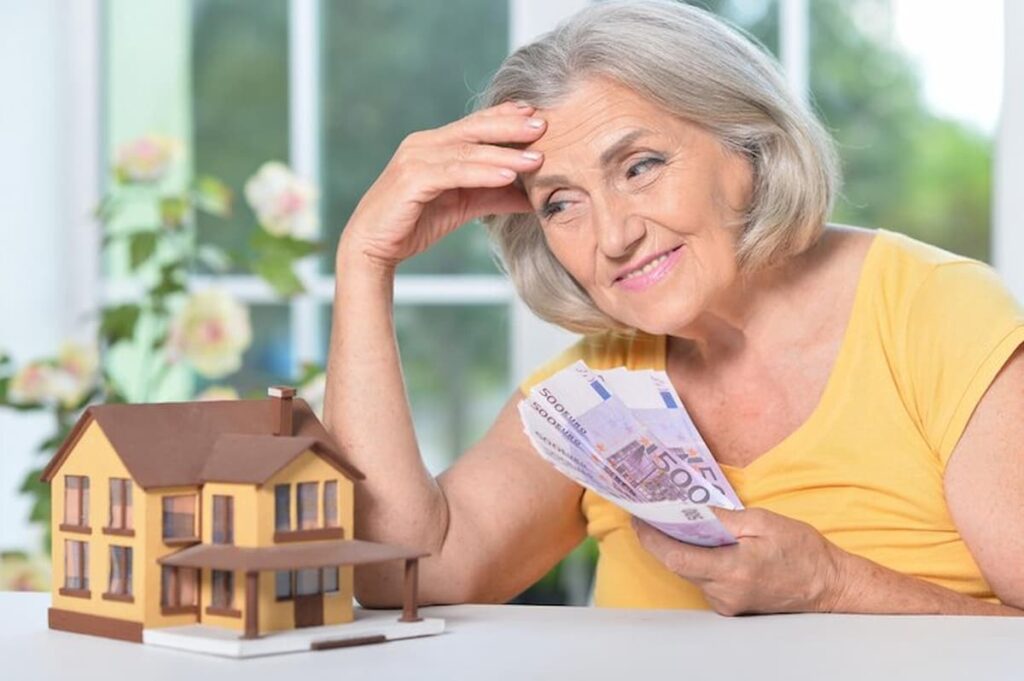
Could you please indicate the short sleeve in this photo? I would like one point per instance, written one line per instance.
(963, 324)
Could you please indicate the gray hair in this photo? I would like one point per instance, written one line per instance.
(697, 67)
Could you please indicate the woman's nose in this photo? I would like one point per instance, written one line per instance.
(619, 233)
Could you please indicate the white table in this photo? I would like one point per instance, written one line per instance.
(534, 642)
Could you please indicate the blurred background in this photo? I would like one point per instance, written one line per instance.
(177, 174)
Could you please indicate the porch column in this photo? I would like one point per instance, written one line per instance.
(409, 613)
(252, 604)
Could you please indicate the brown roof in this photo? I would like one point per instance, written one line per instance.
(171, 444)
(288, 556)
(254, 458)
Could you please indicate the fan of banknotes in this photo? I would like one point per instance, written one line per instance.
(626, 435)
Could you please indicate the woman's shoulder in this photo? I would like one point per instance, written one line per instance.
(604, 350)
(901, 271)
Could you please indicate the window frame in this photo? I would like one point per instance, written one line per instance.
(76, 549)
(173, 540)
(121, 525)
(120, 565)
(222, 519)
(81, 519)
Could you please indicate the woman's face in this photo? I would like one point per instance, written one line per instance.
(640, 207)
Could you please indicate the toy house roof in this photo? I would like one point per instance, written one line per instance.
(189, 443)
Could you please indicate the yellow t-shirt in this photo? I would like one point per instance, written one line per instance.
(928, 333)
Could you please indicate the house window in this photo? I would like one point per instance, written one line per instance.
(223, 595)
(283, 584)
(289, 583)
(223, 519)
(307, 582)
(179, 587)
(76, 565)
(330, 577)
(120, 504)
(120, 571)
(307, 505)
(331, 503)
(179, 519)
(76, 500)
(283, 508)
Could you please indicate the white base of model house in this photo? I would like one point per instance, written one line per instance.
(368, 627)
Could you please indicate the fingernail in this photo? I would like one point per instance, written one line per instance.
(535, 122)
(522, 104)
(504, 172)
(531, 155)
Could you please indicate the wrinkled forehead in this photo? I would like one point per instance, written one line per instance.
(587, 126)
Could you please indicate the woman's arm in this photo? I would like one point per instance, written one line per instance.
(784, 565)
(501, 516)
(494, 523)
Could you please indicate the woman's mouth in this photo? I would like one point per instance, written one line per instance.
(652, 272)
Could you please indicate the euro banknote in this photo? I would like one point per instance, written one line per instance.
(631, 451)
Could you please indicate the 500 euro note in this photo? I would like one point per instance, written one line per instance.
(653, 401)
(647, 479)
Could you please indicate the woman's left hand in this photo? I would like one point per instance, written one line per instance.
(777, 565)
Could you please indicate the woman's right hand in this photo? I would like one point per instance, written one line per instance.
(441, 178)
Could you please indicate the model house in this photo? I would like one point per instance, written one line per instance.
(236, 515)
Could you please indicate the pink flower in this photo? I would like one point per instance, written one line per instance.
(146, 159)
(211, 331)
(285, 204)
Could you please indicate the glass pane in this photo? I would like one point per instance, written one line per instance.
(391, 67)
(72, 500)
(915, 161)
(283, 584)
(760, 18)
(455, 359)
(116, 503)
(223, 588)
(240, 105)
(282, 508)
(330, 579)
(223, 519)
(179, 519)
(307, 582)
(331, 503)
(307, 505)
(188, 585)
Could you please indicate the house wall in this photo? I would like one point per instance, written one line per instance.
(245, 530)
(155, 548)
(94, 457)
(308, 467)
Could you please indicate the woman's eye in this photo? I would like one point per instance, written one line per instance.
(642, 165)
(550, 208)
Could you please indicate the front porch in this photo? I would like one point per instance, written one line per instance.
(251, 561)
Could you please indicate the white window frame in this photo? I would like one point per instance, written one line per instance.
(532, 341)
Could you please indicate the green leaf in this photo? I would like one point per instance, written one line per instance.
(141, 247)
(214, 258)
(173, 210)
(213, 196)
(118, 323)
(170, 282)
(277, 272)
(264, 242)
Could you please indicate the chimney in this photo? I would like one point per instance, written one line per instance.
(282, 396)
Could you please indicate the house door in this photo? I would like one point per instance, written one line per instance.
(309, 610)
(309, 598)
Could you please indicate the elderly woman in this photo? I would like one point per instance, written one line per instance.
(651, 183)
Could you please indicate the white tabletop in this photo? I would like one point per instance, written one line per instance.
(534, 642)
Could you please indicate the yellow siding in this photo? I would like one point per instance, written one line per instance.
(94, 457)
(156, 548)
(307, 467)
